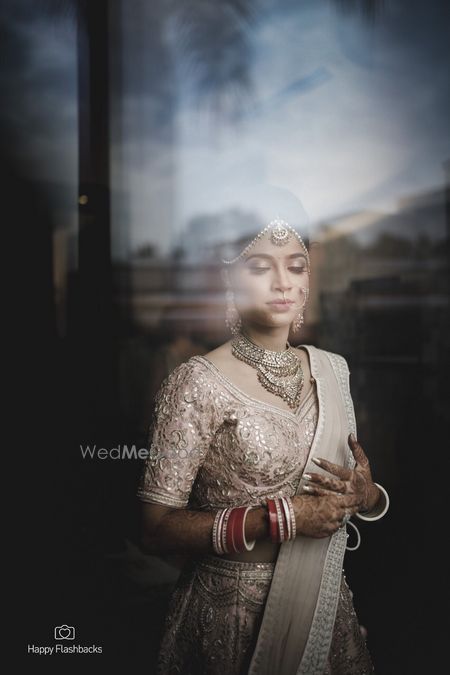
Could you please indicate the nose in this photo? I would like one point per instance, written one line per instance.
(282, 282)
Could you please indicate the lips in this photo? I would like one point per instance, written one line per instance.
(281, 302)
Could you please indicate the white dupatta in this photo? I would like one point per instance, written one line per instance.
(300, 610)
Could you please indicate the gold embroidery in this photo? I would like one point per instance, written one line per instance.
(210, 447)
(214, 616)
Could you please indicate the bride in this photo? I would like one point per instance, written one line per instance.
(253, 471)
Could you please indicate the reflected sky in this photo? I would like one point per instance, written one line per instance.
(38, 80)
(348, 113)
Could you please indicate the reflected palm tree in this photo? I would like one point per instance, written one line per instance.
(213, 38)
(214, 42)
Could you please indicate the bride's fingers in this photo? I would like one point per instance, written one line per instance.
(350, 501)
(336, 469)
(357, 450)
(319, 491)
(327, 482)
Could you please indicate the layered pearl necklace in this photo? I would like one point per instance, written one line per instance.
(279, 372)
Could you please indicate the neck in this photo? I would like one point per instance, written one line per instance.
(268, 337)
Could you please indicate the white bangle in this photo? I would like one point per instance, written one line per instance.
(358, 541)
(249, 545)
(382, 513)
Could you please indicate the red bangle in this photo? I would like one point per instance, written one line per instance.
(237, 531)
(235, 534)
(273, 520)
(281, 522)
(248, 545)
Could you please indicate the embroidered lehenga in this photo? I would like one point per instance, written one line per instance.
(212, 446)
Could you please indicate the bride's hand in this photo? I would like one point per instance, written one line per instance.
(322, 516)
(357, 481)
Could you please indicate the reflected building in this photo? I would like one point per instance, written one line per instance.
(376, 279)
(384, 305)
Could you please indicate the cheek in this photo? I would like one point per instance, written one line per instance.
(302, 287)
(253, 291)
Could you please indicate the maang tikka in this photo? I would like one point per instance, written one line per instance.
(280, 235)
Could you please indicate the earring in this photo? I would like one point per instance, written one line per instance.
(232, 317)
(299, 319)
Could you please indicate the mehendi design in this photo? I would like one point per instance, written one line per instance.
(357, 481)
(321, 516)
(212, 446)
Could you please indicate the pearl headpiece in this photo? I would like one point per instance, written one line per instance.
(281, 233)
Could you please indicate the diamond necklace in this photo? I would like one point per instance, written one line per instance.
(279, 372)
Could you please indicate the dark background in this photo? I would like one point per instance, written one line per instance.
(91, 378)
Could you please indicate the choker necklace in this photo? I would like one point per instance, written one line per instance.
(279, 372)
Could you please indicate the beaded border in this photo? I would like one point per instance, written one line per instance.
(154, 497)
(275, 225)
(287, 515)
(319, 640)
(342, 371)
(292, 517)
(215, 539)
(280, 520)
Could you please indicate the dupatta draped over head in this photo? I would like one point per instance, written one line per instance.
(241, 209)
(300, 610)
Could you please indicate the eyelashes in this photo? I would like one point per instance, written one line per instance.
(262, 270)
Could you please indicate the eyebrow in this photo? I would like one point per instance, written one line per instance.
(266, 255)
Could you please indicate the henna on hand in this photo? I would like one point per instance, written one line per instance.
(321, 516)
(167, 530)
(357, 481)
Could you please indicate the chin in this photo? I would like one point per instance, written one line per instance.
(281, 321)
(268, 319)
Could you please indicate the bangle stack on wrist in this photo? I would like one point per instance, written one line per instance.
(378, 511)
(228, 532)
(281, 519)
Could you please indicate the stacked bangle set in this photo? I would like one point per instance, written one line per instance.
(281, 519)
(228, 532)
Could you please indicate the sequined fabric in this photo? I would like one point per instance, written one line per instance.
(214, 617)
(348, 651)
(210, 446)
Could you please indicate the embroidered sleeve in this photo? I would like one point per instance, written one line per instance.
(180, 433)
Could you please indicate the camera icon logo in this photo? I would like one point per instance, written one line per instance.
(64, 632)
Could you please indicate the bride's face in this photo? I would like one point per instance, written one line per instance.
(267, 274)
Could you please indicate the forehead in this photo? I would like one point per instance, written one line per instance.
(265, 247)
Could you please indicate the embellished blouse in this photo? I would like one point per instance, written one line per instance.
(211, 445)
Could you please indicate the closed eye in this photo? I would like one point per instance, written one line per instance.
(261, 270)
